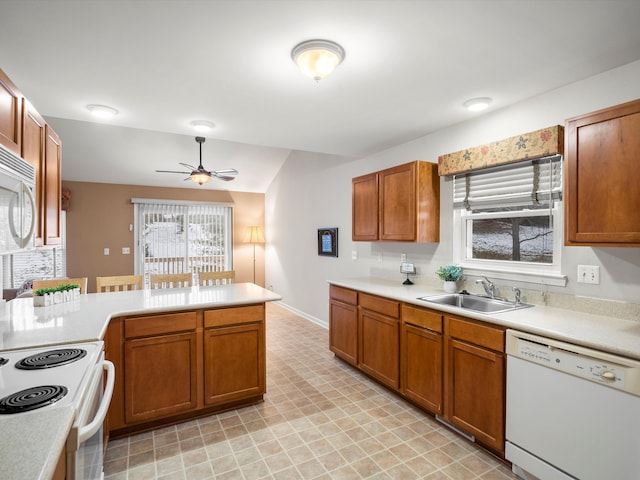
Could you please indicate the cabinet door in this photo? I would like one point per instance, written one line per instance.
(397, 205)
(475, 392)
(234, 363)
(364, 202)
(602, 177)
(52, 192)
(10, 114)
(343, 331)
(379, 347)
(421, 367)
(33, 135)
(160, 375)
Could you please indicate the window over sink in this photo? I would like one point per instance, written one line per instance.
(509, 218)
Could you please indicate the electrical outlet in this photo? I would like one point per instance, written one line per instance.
(589, 274)
(106, 251)
(403, 258)
(126, 251)
(354, 254)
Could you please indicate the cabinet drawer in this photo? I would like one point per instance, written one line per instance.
(477, 333)
(343, 295)
(380, 305)
(232, 316)
(422, 318)
(159, 324)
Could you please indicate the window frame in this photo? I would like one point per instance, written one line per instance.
(228, 234)
(531, 272)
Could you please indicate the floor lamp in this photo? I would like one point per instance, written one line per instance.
(255, 236)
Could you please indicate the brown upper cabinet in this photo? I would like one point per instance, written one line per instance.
(52, 188)
(10, 114)
(602, 177)
(400, 204)
(25, 133)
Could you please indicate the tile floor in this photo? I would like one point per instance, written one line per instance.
(321, 419)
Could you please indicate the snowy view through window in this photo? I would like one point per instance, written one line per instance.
(519, 239)
(185, 239)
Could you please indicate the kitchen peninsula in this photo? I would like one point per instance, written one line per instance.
(179, 352)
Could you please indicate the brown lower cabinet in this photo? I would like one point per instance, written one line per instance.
(174, 366)
(421, 345)
(378, 339)
(343, 323)
(450, 366)
(475, 373)
(234, 355)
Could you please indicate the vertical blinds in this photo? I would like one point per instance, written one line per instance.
(527, 183)
(182, 237)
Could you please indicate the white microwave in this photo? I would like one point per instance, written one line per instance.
(18, 214)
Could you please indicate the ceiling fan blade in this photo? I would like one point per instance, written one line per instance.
(226, 171)
(226, 179)
(186, 165)
(172, 171)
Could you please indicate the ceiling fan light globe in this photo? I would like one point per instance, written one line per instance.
(200, 177)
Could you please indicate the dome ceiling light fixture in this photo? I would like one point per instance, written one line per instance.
(317, 58)
(477, 104)
(202, 125)
(102, 111)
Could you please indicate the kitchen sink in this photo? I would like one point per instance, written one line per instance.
(475, 303)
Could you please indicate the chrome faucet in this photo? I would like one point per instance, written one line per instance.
(517, 293)
(489, 286)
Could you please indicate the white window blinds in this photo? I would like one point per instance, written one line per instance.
(36, 264)
(182, 237)
(527, 183)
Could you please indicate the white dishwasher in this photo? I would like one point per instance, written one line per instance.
(572, 412)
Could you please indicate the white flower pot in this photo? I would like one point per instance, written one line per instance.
(55, 298)
(450, 287)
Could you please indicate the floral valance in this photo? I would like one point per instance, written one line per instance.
(547, 141)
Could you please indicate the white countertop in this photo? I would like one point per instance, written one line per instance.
(614, 335)
(86, 319)
(31, 443)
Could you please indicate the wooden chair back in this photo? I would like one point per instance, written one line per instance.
(118, 283)
(55, 282)
(217, 278)
(171, 280)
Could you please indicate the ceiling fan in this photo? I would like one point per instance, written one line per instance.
(200, 175)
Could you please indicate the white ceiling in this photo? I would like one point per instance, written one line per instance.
(409, 67)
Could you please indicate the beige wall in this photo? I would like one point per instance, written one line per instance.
(99, 216)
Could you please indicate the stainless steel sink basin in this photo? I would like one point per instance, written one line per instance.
(474, 303)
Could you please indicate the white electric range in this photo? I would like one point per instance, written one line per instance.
(58, 376)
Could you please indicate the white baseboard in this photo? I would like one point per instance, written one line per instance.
(304, 315)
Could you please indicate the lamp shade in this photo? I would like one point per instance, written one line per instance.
(254, 235)
(317, 58)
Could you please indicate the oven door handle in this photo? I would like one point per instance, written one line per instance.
(87, 431)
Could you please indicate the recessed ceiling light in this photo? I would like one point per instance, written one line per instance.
(202, 125)
(102, 111)
(477, 104)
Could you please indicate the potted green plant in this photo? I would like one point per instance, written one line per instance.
(449, 274)
(51, 295)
